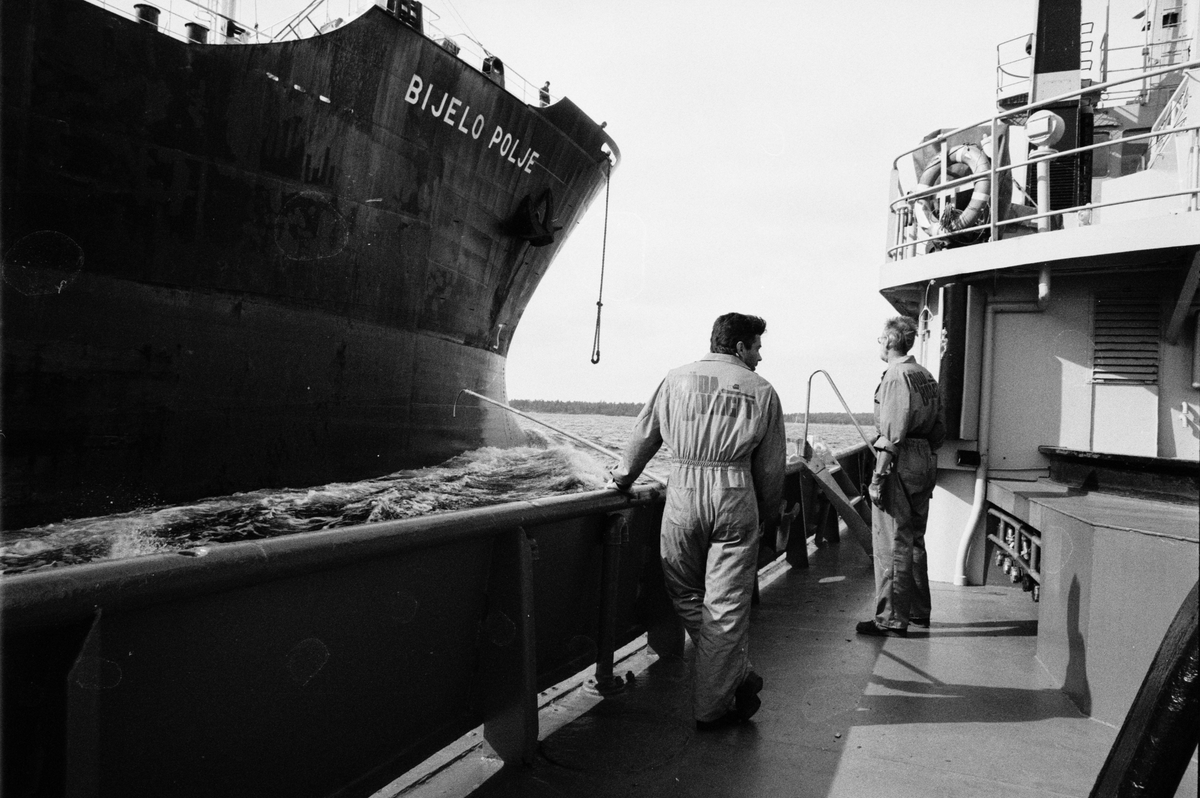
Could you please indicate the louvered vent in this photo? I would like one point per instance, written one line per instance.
(1128, 329)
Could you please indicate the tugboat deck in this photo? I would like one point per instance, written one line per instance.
(963, 708)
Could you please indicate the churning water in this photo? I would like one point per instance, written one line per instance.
(551, 464)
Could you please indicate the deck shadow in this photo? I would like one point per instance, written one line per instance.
(1015, 628)
(829, 699)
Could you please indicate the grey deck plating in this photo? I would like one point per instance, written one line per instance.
(961, 709)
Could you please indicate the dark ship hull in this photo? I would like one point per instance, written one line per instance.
(252, 266)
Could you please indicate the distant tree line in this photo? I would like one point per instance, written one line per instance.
(578, 408)
(633, 408)
(829, 418)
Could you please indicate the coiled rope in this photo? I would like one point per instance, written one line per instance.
(603, 255)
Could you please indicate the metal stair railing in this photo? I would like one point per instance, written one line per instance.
(846, 407)
(833, 481)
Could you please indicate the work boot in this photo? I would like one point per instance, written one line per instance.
(730, 718)
(746, 697)
(872, 629)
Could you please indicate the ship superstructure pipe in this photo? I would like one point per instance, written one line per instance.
(985, 414)
(1043, 287)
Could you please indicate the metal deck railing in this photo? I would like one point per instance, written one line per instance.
(331, 662)
(198, 21)
(909, 240)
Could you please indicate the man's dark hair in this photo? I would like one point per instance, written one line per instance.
(901, 332)
(733, 327)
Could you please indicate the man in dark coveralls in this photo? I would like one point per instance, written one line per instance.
(724, 426)
(910, 428)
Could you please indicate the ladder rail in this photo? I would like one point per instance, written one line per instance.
(851, 508)
(846, 407)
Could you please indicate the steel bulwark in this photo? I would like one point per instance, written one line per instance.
(325, 663)
(320, 664)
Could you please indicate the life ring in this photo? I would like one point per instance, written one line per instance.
(969, 159)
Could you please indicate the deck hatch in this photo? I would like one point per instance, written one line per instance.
(1127, 330)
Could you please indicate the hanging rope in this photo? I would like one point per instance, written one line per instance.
(603, 255)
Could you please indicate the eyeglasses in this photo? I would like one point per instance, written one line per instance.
(883, 339)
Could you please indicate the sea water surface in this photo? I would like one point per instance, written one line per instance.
(550, 464)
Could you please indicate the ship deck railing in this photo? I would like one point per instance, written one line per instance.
(347, 656)
(1098, 61)
(178, 19)
(962, 708)
(171, 18)
(335, 662)
(909, 241)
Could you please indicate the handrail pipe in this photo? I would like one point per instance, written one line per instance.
(808, 403)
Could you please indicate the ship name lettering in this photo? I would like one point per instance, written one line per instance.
(462, 121)
(420, 92)
(438, 112)
(508, 148)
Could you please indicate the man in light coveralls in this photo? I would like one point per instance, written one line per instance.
(908, 419)
(724, 426)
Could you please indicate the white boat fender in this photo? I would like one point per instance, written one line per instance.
(972, 157)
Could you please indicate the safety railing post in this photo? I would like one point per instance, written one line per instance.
(1044, 155)
(1194, 199)
(510, 662)
(993, 189)
(943, 198)
(616, 534)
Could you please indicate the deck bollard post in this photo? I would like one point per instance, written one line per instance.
(615, 535)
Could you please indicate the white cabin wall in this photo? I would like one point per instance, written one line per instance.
(1148, 420)
(950, 507)
(1125, 420)
(1043, 395)
(1179, 430)
(1041, 392)
(949, 510)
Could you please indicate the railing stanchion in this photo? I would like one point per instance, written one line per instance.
(509, 673)
(993, 189)
(1193, 169)
(615, 535)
